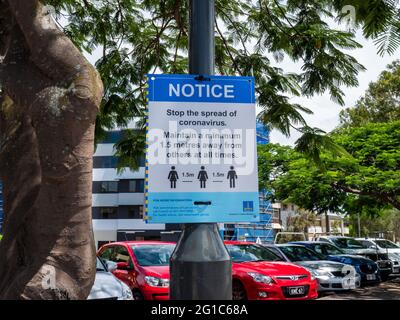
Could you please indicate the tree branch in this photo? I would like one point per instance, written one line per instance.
(382, 196)
(227, 48)
(50, 49)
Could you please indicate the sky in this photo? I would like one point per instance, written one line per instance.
(326, 112)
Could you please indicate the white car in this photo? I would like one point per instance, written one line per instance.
(106, 286)
(387, 247)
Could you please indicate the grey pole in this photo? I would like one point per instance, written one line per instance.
(200, 266)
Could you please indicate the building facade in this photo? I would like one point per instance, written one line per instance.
(334, 221)
(118, 199)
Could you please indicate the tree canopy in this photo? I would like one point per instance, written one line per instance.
(380, 103)
(252, 37)
(366, 180)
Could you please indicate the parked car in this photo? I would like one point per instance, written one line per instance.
(352, 246)
(385, 247)
(106, 286)
(331, 276)
(258, 273)
(142, 265)
(365, 267)
(347, 244)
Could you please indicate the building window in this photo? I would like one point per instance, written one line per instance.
(141, 212)
(130, 212)
(111, 162)
(108, 213)
(104, 212)
(105, 162)
(109, 186)
(105, 186)
(136, 185)
(113, 137)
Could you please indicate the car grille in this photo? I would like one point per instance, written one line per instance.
(285, 291)
(338, 274)
(293, 278)
(368, 268)
(384, 264)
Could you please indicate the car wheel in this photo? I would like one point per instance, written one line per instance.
(137, 295)
(238, 291)
(385, 277)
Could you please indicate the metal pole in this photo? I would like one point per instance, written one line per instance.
(200, 266)
(359, 224)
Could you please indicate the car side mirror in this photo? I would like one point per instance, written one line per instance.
(111, 266)
(124, 266)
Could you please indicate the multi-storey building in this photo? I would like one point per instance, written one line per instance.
(118, 199)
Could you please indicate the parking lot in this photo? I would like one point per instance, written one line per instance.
(389, 290)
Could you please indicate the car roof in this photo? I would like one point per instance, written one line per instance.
(310, 242)
(288, 245)
(331, 237)
(238, 242)
(298, 242)
(137, 243)
(373, 239)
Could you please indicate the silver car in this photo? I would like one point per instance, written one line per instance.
(331, 276)
(106, 286)
(387, 247)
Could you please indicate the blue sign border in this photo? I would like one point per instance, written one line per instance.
(230, 206)
(158, 88)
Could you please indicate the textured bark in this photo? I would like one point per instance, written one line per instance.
(49, 101)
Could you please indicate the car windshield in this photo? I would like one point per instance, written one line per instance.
(100, 266)
(330, 249)
(251, 253)
(386, 244)
(298, 253)
(153, 255)
(348, 243)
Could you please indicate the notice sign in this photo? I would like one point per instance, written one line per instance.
(201, 160)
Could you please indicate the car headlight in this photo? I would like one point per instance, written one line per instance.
(394, 257)
(257, 277)
(320, 273)
(157, 282)
(126, 293)
(313, 276)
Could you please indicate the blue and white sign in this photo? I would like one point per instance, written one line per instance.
(201, 160)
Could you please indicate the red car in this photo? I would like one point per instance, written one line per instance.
(142, 265)
(259, 274)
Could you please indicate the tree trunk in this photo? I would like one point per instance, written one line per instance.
(50, 96)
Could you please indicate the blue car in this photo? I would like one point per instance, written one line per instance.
(366, 268)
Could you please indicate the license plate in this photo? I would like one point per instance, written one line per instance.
(371, 277)
(294, 291)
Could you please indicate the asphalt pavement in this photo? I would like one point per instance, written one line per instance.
(388, 290)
